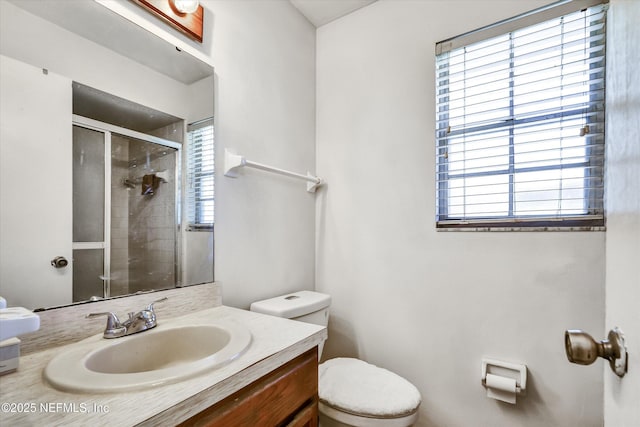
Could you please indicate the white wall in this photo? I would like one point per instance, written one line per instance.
(621, 396)
(429, 305)
(264, 56)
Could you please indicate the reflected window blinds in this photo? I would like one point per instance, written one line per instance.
(200, 176)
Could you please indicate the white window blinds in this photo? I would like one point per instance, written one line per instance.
(520, 126)
(200, 172)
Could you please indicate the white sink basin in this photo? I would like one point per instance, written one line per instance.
(160, 356)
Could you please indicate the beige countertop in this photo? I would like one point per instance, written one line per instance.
(27, 400)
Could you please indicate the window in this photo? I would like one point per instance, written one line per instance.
(520, 125)
(200, 170)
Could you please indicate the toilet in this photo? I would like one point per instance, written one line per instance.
(351, 391)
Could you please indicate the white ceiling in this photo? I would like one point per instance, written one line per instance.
(320, 12)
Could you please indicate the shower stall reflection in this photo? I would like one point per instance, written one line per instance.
(125, 213)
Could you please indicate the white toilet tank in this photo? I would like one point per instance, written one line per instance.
(305, 306)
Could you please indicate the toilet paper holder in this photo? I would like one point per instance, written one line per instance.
(515, 371)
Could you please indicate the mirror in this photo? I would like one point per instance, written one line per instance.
(107, 157)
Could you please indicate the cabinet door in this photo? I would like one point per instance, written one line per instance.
(35, 185)
(287, 397)
(306, 417)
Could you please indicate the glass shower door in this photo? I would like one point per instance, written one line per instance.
(143, 216)
(90, 230)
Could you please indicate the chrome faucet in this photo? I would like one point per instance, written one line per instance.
(137, 322)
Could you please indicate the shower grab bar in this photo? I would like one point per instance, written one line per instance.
(232, 162)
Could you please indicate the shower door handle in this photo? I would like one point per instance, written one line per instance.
(59, 262)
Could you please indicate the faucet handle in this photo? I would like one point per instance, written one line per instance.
(114, 328)
(150, 306)
(112, 319)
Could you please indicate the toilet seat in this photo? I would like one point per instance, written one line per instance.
(353, 391)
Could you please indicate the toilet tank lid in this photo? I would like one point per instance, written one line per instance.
(293, 305)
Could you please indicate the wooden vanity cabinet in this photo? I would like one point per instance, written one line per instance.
(286, 397)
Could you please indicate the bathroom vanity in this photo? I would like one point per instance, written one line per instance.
(287, 396)
(273, 382)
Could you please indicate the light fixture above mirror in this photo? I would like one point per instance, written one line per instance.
(186, 16)
(185, 6)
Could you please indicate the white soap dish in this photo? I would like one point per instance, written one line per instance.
(16, 321)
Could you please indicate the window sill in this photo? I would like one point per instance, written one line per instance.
(593, 223)
(199, 227)
(520, 229)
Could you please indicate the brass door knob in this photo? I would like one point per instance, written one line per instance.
(582, 349)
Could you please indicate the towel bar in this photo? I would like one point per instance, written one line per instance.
(232, 162)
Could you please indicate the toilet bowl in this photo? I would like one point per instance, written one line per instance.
(351, 392)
